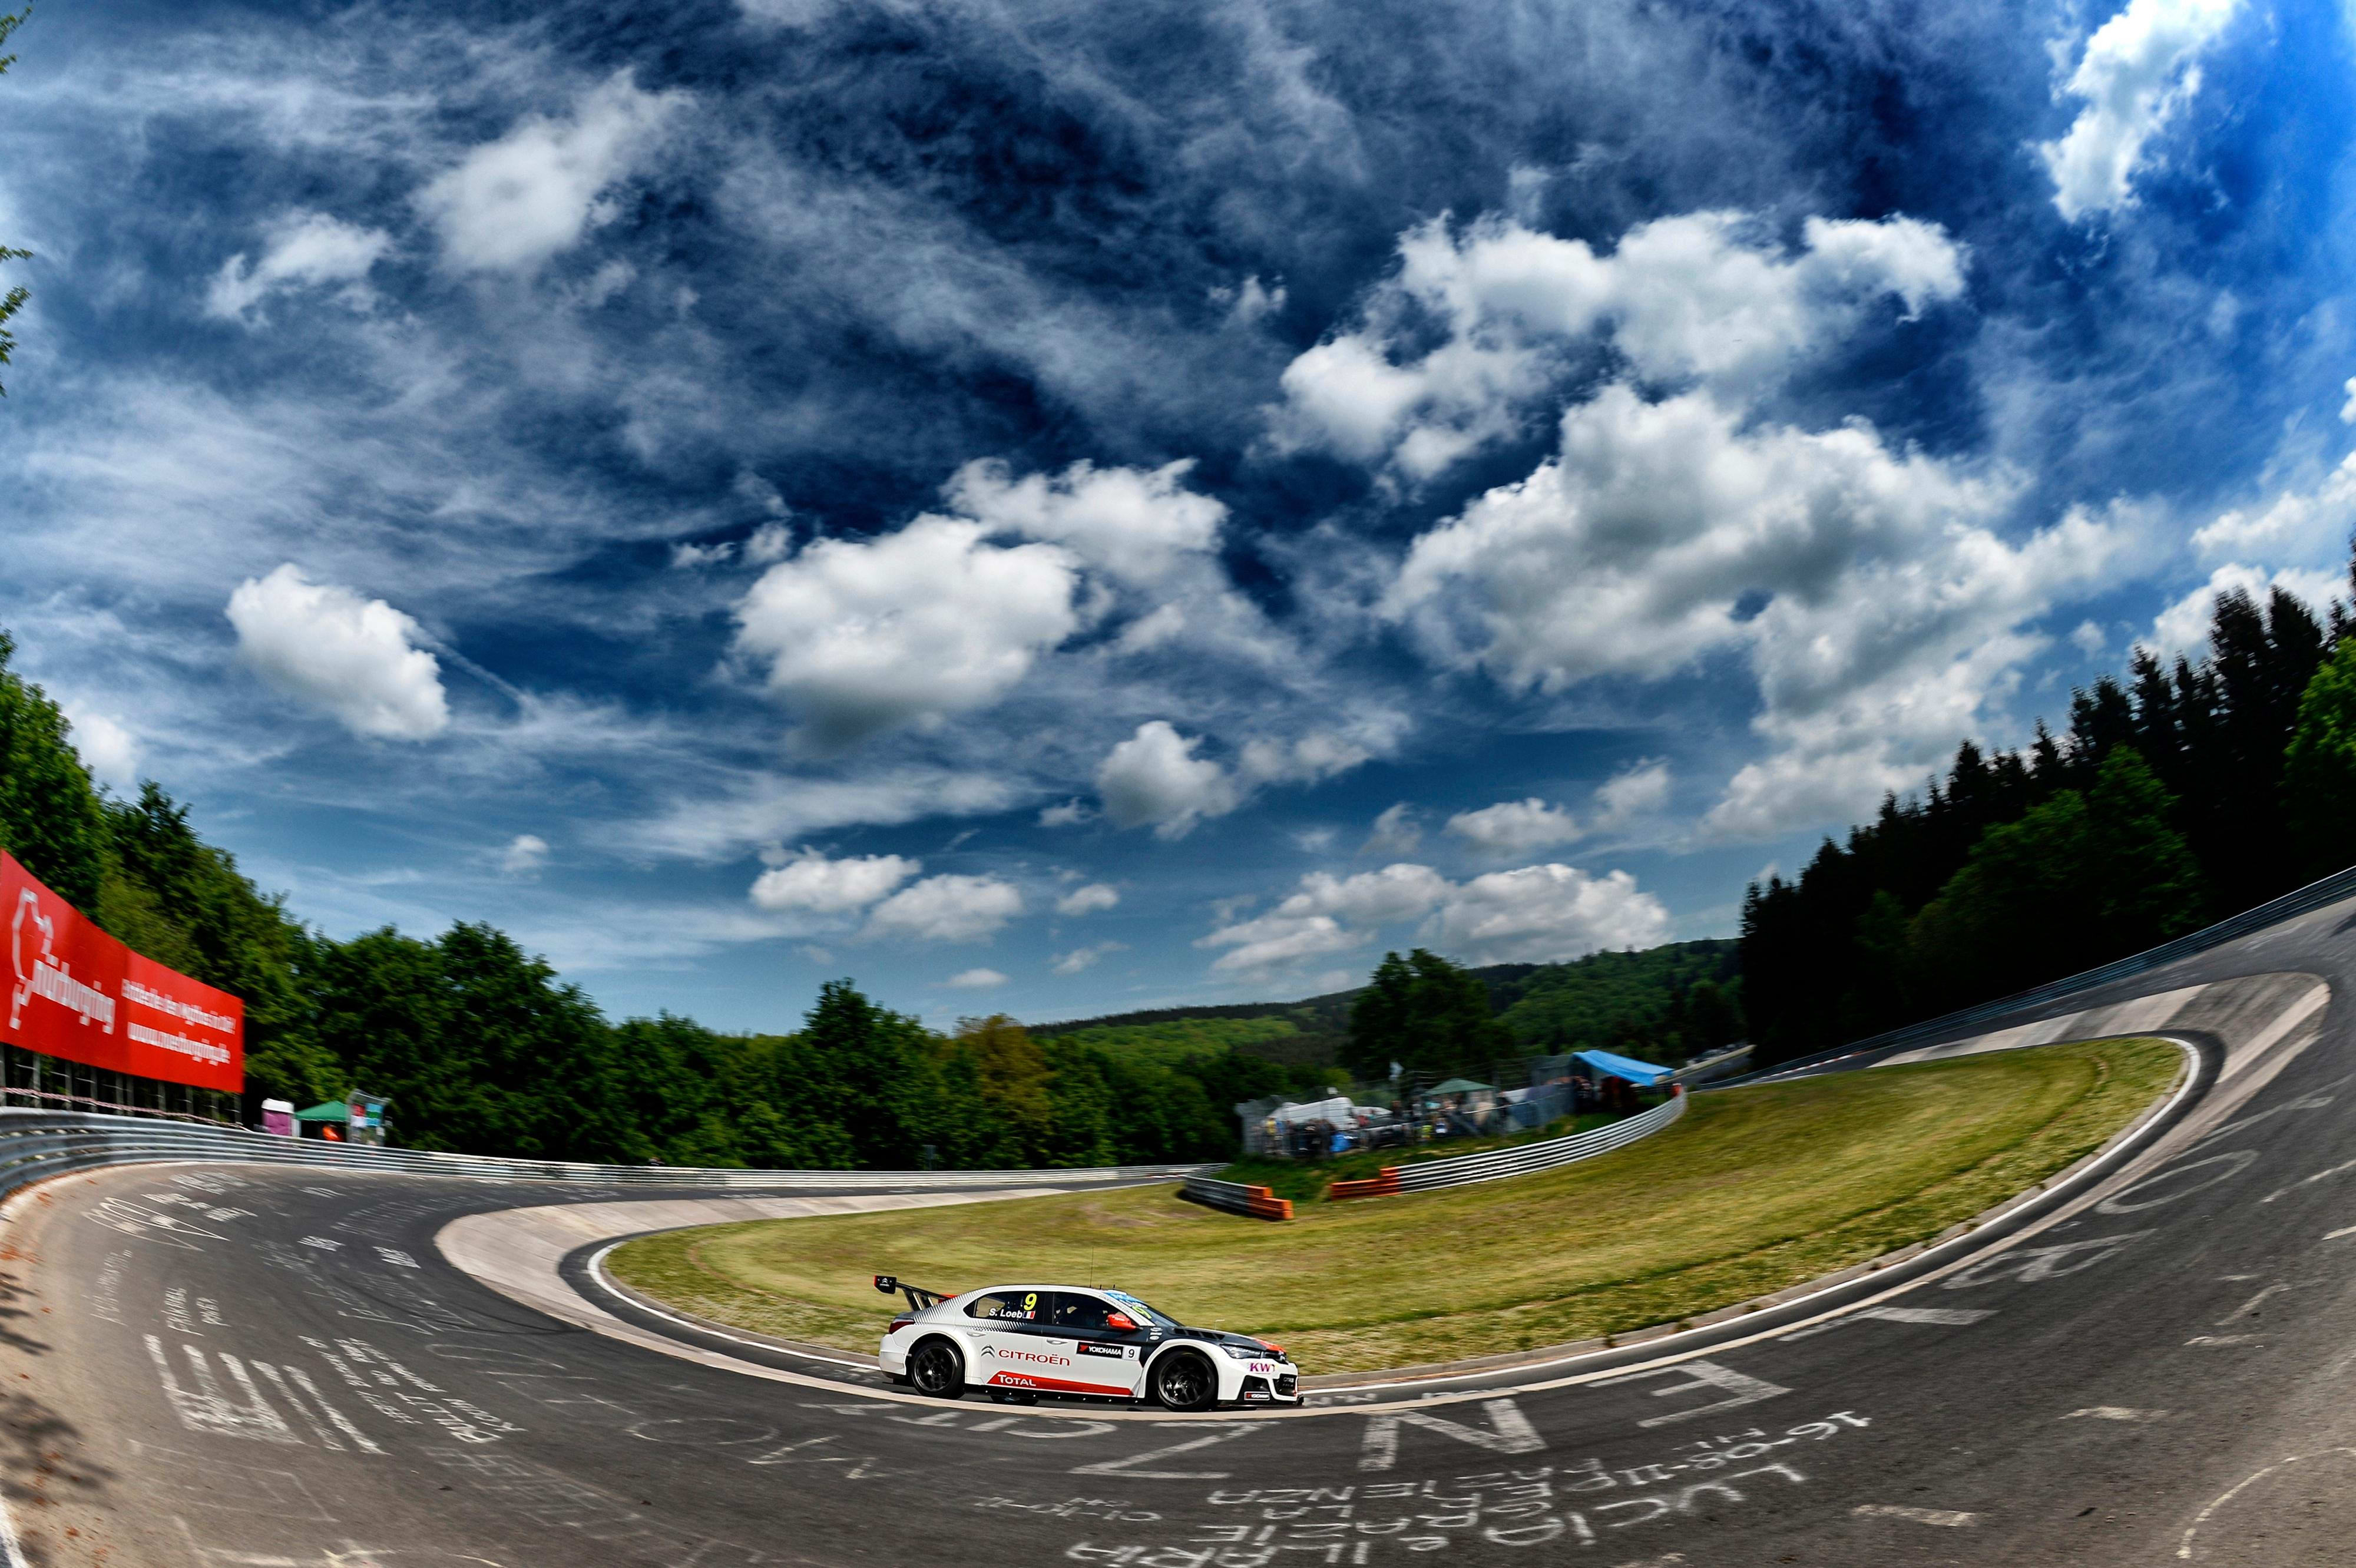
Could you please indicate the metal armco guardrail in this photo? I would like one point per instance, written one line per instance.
(1236, 1198)
(35, 1144)
(1468, 1168)
(2331, 889)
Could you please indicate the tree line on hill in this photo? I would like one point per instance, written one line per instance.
(1424, 1014)
(2184, 793)
(1428, 1014)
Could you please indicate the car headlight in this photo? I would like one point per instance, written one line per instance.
(1245, 1352)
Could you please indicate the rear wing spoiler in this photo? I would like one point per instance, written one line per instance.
(919, 1299)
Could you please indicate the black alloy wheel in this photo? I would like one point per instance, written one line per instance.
(1183, 1380)
(935, 1368)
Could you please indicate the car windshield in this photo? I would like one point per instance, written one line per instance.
(1160, 1319)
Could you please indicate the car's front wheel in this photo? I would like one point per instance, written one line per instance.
(1182, 1380)
(935, 1368)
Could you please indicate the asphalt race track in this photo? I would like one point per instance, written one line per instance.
(239, 1367)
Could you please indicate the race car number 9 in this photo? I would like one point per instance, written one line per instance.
(1031, 1300)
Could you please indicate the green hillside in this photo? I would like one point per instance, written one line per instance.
(1673, 1001)
(1666, 1004)
(1275, 1037)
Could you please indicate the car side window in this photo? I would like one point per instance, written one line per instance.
(1010, 1306)
(1081, 1313)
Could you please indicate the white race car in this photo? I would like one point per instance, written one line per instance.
(1075, 1341)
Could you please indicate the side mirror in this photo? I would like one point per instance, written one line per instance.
(1121, 1321)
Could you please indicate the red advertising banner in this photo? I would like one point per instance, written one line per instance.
(74, 992)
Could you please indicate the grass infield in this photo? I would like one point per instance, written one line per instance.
(1755, 1190)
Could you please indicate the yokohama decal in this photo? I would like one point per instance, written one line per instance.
(76, 992)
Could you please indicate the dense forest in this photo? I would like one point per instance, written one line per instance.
(2183, 792)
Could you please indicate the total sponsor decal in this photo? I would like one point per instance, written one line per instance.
(1048, 1385)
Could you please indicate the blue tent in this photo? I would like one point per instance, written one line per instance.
(1628, 1068)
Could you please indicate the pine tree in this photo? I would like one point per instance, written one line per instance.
(2320, 769)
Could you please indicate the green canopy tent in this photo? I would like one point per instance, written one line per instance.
(326, 1114)
(1464, 1104)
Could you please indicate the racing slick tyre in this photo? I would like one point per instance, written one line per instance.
(1183, 1380)
(935, 1368)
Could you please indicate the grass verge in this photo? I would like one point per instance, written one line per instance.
(1755, 1190)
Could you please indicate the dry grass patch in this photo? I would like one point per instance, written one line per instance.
(1754, 1191)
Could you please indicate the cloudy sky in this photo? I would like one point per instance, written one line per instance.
(1068, 506)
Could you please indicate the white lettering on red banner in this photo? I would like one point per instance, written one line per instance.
(76, 992)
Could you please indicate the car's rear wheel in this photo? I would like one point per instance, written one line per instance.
(935, 1368)
(1182, 1380)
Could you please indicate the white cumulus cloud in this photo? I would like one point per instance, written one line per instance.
(1395, 832)
(909, 627)
(975, 980)
(513, 203)
(1635, 792)
(2306, 526)
(1544, 913)
(350, 657)
(107, 748)
(1893, 604)
(304, 249)
(951, 908)
(1273, 942)
(1537, 913)
(2138, 73)
(1317, 920)
(811, 881)
(1517, 827)
(1087, 900)
(1086, 957)
(2183, 626)
(1705, 296)
(1154, 779)
(1138, 524)
(525, 855)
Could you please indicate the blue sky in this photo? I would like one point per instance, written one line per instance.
(1066, 508)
